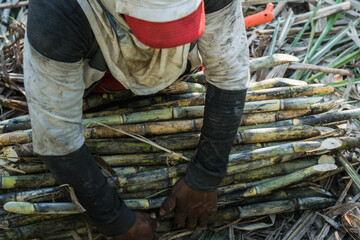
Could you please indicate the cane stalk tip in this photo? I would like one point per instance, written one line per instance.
(325, 167)
(19, 207)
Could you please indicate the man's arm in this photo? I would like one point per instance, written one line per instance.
(223, 48)
(54, 82)
(54, 94)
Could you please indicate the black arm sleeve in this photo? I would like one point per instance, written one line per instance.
(223, 111)
(103, 207)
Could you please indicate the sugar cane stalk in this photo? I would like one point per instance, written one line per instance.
(274, 151)
(277, 134)
(274, 207)
(271, 61)
(96, 100)
(47, 227)
(70, 208)
(178, 87)
(150, 102)
(268, 83)
(17, 123)
(43, 194)
(324, 12)
(315, 68)
(146, 129)
(15, 138)
(12, 220)
(40, 208)
(274, 170)
(256, 118)
(152, 115)
(227, 186)
(316, 119)
(26, 181)
(195, 99)
(349, 169)
(264, 117)
(289, 193)
(289, 92)
(255, 164)
(280, 104)
(286, 180)
(274, 83)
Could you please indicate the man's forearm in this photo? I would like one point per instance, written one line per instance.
(104, 208)
(54, 93)
(223, 110)
(223, 47)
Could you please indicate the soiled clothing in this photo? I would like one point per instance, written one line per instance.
(70, 44)
(62, 52)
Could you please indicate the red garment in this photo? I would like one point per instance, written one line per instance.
(108, 84)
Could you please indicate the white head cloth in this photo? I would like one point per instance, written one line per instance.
(157, 10)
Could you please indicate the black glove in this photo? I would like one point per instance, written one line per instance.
(104, 208)
(223, 111)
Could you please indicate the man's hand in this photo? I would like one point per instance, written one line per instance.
(143, 229)
(192, 208)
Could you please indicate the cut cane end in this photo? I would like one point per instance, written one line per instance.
(325, 167)
(19, 207)
(10, 154)
(331, 143)
(285, 58)
(326, 159)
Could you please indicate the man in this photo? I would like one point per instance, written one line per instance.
(146, 45)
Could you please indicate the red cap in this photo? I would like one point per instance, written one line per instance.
(169, 34)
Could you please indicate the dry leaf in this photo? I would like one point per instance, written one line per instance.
(353, 218)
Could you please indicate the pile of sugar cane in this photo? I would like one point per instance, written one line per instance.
(288, 140)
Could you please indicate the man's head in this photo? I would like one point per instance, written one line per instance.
(164, 23)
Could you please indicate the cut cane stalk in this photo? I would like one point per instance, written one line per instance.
(316, 119)
(289, 92)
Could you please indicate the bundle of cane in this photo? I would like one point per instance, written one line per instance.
(283, 146)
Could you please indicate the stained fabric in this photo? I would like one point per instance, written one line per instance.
(212, 6)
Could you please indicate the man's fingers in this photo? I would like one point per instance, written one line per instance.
(180, 218)
(168, 205)
(192, 221)
(203, 220)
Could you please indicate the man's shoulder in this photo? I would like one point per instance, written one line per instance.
(58, 29)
